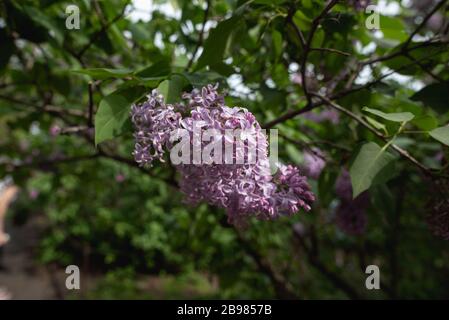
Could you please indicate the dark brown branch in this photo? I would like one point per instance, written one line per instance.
(299, 34)
(291, 114)
(424, 68)
(423, 23)
(313, 28)
(331, 51)
(333, 277)
(403, 153)
(90, 122)
(47, 108)
(50, 162)
(403, 50)
(97, 34)
(282, 288)
(200, 37)
(132, 163)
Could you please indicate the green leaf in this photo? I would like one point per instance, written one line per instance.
(173, 88)
(425, 122)
(113, 112)
(434, 96)
(160, 68)
(217, 42)
(104, 73)
(369, 162)
(44, 20)
(393, 28)
(395, 116)
(301, 20)
(277, 43)
(200, 79)
(441, 134)
(376, 124)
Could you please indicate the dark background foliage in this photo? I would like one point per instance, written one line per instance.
(64, 91)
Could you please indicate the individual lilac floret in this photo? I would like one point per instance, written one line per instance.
(245, 188)
(351, 215)
(314, 163)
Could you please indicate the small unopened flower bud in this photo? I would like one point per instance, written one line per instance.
(120, 178)
(55, 130)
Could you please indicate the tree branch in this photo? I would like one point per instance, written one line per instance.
(423, 23)
(97, 34)
(200, 37)
(395, 147)
(313, 28)
(333, 277)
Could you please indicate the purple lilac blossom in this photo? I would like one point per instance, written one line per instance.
(330, 115)
(154, 122)
(55, 130)
(351, 213)
(120, 178)
(314, 163)
(33, 194)
(359, 4)
(244, 190)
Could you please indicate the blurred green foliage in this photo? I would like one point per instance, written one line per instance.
(105, 214)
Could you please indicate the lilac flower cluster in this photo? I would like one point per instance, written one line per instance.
(154, 121)
(244, 190)
(351, 213)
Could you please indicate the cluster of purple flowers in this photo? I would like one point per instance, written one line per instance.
(351, 213)
(359, 4)
(154, 121)
(244, 190)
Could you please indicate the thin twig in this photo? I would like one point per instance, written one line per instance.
(200, 37)
(331, 51)
(313, 28)
(424, 22)
(47, 108)
(90, 122)
(403, 50)
(333, 277)
(395, 147)
(49, 162)
(424, 68)
(97, 34)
